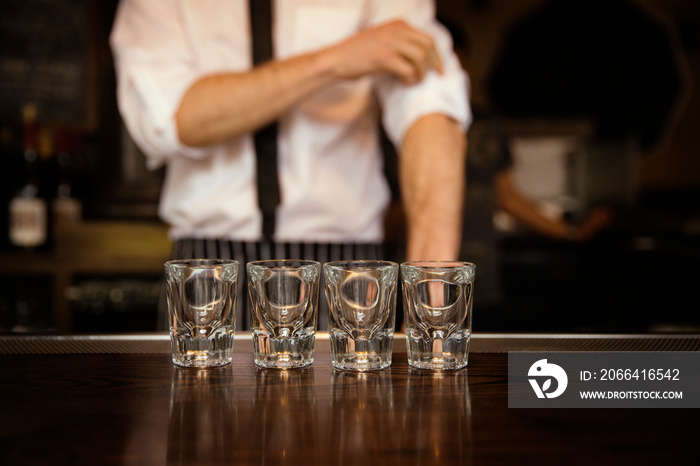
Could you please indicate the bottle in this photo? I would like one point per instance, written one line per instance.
(66, 208)
(28, 212)
(48, 176)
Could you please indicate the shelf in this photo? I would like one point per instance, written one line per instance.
(92, 248)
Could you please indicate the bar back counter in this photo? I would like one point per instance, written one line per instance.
(70, 400)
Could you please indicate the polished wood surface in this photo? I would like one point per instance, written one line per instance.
(116, 400)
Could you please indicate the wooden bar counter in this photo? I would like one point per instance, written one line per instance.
(102, 400)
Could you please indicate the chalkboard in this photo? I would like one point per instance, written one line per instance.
(44, 59)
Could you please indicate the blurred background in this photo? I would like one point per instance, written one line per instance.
(586, 105)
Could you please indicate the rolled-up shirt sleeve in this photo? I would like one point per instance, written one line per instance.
(155, 67)
(446, 93)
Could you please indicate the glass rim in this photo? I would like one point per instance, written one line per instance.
(438, 265)
(283, 263)
(200, 262)
(362, 264)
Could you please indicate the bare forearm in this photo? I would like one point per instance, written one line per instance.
(525, 211)
(432, 184)
(221, 106)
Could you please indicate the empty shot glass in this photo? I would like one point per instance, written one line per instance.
(361, 313)
(201, 297)
(438, 308)
(284, 311)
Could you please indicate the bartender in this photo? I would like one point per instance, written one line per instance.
(203, 87)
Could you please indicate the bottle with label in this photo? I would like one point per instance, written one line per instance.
(48, 176)
(66, 208)
(28, 212)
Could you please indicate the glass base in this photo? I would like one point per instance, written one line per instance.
(347, 354)
(283, 353)
(422, 354)
(216, 350)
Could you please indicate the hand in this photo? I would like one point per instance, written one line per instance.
(596, 220)
(395, 48)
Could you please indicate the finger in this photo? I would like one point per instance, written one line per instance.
(418, 57)
(436, 61)
(402, 68)
(427, 43)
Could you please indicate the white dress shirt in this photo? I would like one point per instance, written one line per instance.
(330, 165)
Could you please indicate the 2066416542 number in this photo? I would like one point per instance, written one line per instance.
(639, 374)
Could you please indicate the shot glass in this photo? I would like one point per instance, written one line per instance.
(361, 313)
(284, 311)
(438, 308)
(201, 297)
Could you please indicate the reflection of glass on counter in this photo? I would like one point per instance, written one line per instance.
(362, 419)
(284, 418)
(437, 417)
(203, 418)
